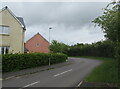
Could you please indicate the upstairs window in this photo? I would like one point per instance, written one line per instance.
(4, 29)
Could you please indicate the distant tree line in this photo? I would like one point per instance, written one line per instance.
(98, 49)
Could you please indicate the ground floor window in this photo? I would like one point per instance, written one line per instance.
(4, 50)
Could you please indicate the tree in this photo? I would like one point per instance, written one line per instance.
(58, 47)
(110, 22)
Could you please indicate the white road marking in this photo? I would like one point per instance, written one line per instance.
(30, 84)
(9, 77)
(1, 79)
(17, 77)
(79, 84)
(62, 73)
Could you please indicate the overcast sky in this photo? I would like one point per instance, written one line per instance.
(70, 21)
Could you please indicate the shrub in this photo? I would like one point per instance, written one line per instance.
(99, 49)
(14, 62)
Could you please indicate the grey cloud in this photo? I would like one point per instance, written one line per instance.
(70, 14)
(71, 19)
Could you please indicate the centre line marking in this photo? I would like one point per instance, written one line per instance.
(1, 79)
(62, 73)
(31, 84)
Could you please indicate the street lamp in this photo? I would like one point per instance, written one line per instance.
(49, 42)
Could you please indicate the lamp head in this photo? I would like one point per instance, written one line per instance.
(50, 27)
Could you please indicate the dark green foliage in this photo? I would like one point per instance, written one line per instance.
(118, 60)
(110, 24)
(99, 49)
(14, 62)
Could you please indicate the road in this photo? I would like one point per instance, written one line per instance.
(66, 76)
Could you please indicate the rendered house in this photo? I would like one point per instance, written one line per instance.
(37, 44)
(12, 31)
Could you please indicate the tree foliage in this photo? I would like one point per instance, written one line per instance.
(58, 47)
(110, 22)
(98, 49)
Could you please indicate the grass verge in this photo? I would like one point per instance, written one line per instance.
(107, 72)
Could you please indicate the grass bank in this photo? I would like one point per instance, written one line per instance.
(107, 72)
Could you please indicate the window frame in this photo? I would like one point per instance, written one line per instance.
(4, 29)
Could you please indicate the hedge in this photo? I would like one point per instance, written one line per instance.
(14, 62)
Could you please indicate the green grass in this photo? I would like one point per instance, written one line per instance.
(107, 72)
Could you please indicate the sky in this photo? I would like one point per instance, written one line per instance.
(70, 21)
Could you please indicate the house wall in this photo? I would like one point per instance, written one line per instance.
(37, 44)
(15, 38)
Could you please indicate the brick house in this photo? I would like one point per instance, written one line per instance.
(37, 44)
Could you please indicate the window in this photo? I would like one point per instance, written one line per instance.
(4, 50)
(37, 44)
(4, 29)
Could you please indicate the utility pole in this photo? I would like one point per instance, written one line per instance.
(49, 42)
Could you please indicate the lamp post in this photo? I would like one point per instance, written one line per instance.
(49, 42)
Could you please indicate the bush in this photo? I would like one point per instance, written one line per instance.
(14, 62)
(99, 49)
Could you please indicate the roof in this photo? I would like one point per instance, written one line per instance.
(35, 35)
(19, 19)
(42, 37)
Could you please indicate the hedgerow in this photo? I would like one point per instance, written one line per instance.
(14, 62)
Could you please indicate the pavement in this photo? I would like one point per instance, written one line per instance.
(68, 74)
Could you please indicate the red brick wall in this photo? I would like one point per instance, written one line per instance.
(37, 44)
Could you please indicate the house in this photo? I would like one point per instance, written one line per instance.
(37, 44)
(12, 30)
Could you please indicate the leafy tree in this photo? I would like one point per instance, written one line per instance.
(110, 22)
(58, 47)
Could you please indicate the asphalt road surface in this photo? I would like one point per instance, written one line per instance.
(66, 76)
